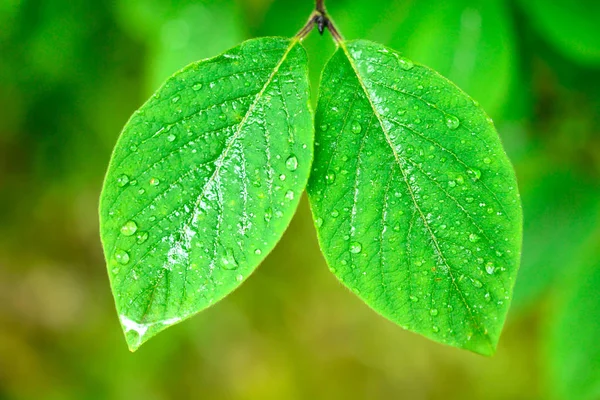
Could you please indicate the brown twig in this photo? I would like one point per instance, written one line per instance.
(320, 18)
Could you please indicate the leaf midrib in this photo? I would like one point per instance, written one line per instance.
(410, 190)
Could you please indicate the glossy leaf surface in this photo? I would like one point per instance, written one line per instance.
(415, 201)
(203, 182)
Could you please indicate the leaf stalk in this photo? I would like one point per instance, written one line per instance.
(322, 21)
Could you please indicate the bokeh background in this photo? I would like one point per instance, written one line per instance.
(71, 73)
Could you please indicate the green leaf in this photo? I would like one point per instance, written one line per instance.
(573, 348)
(203, 181)
(415, 201)
(571, 26)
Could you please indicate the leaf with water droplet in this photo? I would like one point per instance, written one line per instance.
(223, 143)
(406, 197)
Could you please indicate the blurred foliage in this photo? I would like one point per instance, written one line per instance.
(72, 72)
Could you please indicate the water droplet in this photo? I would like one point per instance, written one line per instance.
(258, 252)
(435, 329)
(473, 238)
(477, 283)
(239, 278)
(406, 64)
(282, 177)
(197, 86)
(129, 228)
(122, 256)
(175, 99)
(291, 163)
(452, 184)
(355, 247)
(433, 312)
(141, 237)
(452, 122)
(489, 268)
(335, 213)
(475, 174)
(469, 199)
(319, 222)
(323, 127)
(414, 299)
(330, 177)
(289, 195)
(154, 182)
(122, 180)
(355, 126)
(228, 261)
(487, 160)
(171, 138)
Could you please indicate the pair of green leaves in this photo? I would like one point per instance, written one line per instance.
(415, 202)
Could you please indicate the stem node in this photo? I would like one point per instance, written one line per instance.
(322, 21)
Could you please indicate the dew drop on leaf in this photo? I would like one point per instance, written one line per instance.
(335, 213)
(330, 177)
(122, 180)
(433, 312)
(154, 182)
(291, 163)
(129, 228)
(319, 222)
(405, 64)
(197, 86)
(473, 238)
(489, 268)
(122, 256)
(452, 122)
(477, 283)
(141, 237)
(171, 138)
(289, 195)
(356, 128)
(475, 174)
(228, 261)
(355, 247)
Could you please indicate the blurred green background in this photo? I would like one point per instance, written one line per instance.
(71, 73)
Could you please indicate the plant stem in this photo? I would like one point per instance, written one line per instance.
(320, 7)
(320, 18)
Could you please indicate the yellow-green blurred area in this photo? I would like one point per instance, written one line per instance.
(72, 72)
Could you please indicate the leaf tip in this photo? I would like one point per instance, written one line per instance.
(482, 344)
